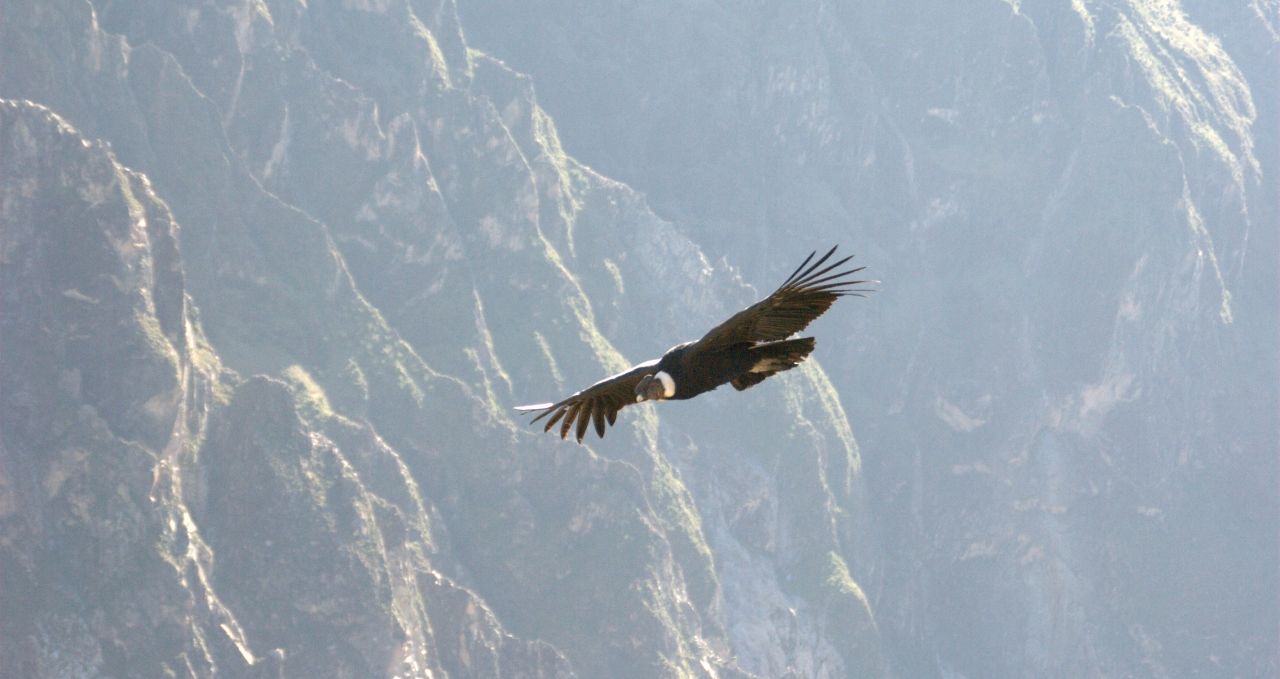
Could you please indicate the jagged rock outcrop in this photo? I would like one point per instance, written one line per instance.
(159, 517)
(107, 389)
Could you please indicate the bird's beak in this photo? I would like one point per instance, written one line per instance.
(642, 388)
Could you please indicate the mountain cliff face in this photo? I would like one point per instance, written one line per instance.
(1066, 388)
(272, 274)
(163, 516)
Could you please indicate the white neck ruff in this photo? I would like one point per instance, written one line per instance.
(668, 384)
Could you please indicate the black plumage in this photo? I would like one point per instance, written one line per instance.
(742, 351)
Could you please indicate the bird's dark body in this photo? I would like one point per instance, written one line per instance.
(750, 346)
(697, 372)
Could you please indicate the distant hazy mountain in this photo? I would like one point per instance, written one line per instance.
(273, 273)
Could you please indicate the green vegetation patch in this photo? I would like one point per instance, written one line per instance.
(308, 395)
(825, 581)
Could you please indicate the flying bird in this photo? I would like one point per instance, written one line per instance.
(743, 351)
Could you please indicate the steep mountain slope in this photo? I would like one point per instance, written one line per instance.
(274, 273)
(1071, 385)
(162, 517)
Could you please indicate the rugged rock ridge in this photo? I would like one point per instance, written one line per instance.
(383, 247)
(154, 506)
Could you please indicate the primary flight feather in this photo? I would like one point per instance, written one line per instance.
(742, 351)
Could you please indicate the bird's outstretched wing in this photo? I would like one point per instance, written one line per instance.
(808, 292)
(595, 404)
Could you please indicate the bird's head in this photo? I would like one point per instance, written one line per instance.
(655, 387)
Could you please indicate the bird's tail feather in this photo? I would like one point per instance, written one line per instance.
(772, 358)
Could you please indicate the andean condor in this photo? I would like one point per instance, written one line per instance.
(742, 351)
